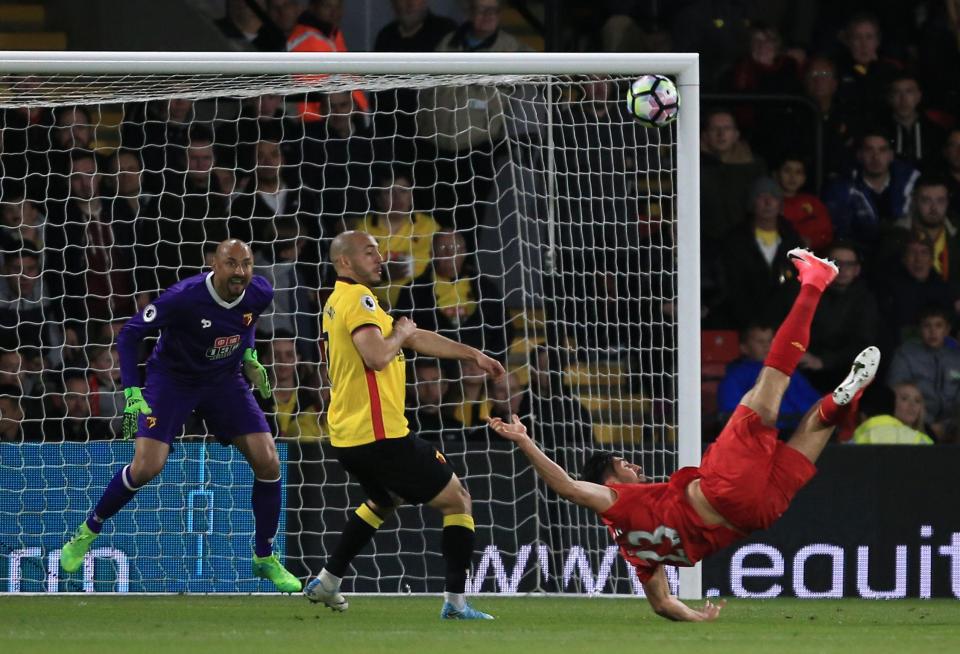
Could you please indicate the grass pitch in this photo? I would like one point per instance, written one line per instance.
(527, 625)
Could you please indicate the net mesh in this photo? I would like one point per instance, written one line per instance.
(528, 216)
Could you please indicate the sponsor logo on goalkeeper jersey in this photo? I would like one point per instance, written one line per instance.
(223, 347)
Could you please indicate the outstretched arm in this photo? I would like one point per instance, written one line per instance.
(433, 344)
(592, 496)
(666, 605)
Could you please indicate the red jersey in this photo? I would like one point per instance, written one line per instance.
(810, 219)
(655, 524)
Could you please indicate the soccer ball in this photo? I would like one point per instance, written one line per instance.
(653, 100)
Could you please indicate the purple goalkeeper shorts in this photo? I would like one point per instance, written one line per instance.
(226, 405)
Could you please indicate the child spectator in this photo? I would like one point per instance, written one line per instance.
(905, 426)
(741, 375)
(933, 366)
(805, 212)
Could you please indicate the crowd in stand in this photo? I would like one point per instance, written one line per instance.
(862, 164)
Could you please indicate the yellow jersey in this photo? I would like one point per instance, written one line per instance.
(305, 424)
(365, 405)
(409, 248)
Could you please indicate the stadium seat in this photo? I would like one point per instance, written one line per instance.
(33, 41)
(618, 434)
(610, 404)
(717, 349)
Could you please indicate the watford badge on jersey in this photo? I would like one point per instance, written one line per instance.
(247, 319)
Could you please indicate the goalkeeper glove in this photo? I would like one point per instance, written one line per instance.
(256, 373)
(131, 412)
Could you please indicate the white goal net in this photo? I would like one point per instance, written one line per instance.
(526, 214)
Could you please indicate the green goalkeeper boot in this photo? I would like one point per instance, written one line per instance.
(269, 567)
(71, 556)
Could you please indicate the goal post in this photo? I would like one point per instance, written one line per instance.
(527, 192)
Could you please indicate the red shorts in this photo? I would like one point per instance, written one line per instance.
(749, 475)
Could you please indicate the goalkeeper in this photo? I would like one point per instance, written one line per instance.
(206, 325)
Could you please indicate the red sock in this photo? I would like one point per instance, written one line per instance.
(791, 340)
(830, 412)
(843, 416)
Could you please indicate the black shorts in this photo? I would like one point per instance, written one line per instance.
(407, 468)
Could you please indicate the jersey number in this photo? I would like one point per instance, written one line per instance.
(661, 545)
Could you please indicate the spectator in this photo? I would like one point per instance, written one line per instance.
(293, 305)
(951, 157)
(867, 204)
(22, 369)
(864, 75)
(506, 395)
(21, 221)
(836, 123)
(27, 317)
(904, 425)
(846, 321)
(11, 415)
(766, 69)
(471, 406)
(807, 214)
(910, 288)
(318, 30)
(77, 424)
(403, 235)
(193, 210)
(72, 133)
(284, 14)
(23, 391)
(558, 417)
(451, 299)
(916, 139)
(90, 257)
(427, 414)
(929, 214)
(134, 220)
(933, 366)
(415, 28)
(755, 255)
(160, 131)
(727, 169)
(106, 391)
(244, 28)
(253, 213)
(297, 403)
(338, 165)
(467, 121)
(261, 118)
(741, 375)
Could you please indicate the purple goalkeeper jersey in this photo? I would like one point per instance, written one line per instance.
(202, 337)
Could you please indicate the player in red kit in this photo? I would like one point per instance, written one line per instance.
(745, 480)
